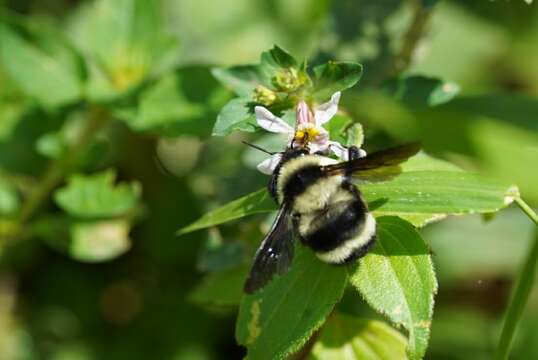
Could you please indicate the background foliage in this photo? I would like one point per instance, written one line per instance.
(106, 114)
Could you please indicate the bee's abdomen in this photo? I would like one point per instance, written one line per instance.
(342, 234)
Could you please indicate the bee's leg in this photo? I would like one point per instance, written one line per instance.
(353, 152)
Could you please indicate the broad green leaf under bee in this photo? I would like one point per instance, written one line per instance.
(413, 195)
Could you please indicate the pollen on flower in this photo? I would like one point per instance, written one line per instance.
(307, 133)
(312, 132)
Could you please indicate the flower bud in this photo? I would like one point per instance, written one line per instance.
(288, 79)
(264, 96)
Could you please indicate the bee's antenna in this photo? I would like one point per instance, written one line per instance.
(258, 148)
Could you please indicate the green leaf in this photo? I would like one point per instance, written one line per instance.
(355, 135)
(235, 115)
(347, 337)
(99, 241)
(256, 202)
(397, 279)
(337, 127)
(335, 76)
(96, 196)
(41, 62)
(437, 192)
(421, 91)
(426, 190)
(276, 321)
(241, 79)
(277, 58)
(162, 107)
(124, 43)
(220, 289)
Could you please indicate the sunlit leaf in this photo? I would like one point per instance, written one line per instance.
(276, 321)
(96, 196)
(437, 192)
(397, 279)
(347, 337)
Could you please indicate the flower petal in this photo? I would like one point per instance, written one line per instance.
(339, 150)
(326, 111)
(304, 116)
(342, 152)
(270, 122)
(268, 165)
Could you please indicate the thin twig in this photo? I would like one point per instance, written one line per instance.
(521, 291)
(411, 38)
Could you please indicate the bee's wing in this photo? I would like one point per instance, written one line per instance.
(384, 161)
(274, 254)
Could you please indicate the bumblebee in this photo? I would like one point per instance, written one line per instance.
(319, 205)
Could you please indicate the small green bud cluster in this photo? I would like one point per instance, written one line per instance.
(264, 96)
(288, 79)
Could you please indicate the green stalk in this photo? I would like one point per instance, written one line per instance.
(521, 290)
(411, 38)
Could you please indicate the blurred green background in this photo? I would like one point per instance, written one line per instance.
(139, 291)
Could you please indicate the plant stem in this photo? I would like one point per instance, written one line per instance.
(58, 169)
(411, 38)
(527, 210)
(521, 290)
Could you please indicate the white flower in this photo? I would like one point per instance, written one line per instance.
(309, 131)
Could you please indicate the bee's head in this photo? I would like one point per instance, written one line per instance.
(291, 153)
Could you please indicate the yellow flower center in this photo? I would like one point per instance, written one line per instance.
(307, 134)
